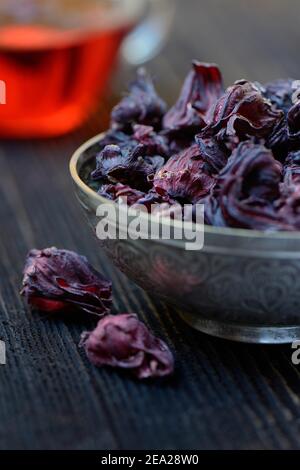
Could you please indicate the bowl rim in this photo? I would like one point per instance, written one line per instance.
(209, 229)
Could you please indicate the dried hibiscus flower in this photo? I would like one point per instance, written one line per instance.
(134, 161)
(59, 280)
(120, 191)
(291, 174)
(289, 208)
(243, 111)
(125, 342)
(236, 150)
(183, 177)
(245, 191)
(280, 92)
(115, 137)
(278, 140)
(129, 167)
(214, 153)
(152, 199)
(286, 134)
(293, 126)
(152, 143)
(141, 106)
(201, 89)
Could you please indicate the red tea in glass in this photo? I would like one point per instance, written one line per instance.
(55, 59)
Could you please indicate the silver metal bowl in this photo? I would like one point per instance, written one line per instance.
(243, 285)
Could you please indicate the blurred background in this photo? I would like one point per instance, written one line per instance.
(62, 59)
(257, 39)
(253, 39)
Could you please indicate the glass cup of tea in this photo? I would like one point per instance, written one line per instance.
(56, 57)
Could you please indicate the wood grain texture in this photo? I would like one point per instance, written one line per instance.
(223, 395)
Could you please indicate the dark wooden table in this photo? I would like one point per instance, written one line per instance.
(223, 395)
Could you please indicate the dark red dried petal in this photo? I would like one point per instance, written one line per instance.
(246, 190)
(152, 198)
(123, 341)
(61, 279)
(114, 137)
(202, 87)
(141, 106)
(243, 111)
(152, 143)
(249, 189)
(291, 170)
(278, 140)
(163, 204)
(183, 177)
(116, 191)
(280, 92)
(289, 206)
(179, 141)
(286, 134)
(109, 158)
(46, 305)
(214, 154)
(134, 161)
(293, 125)
(133, 168)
